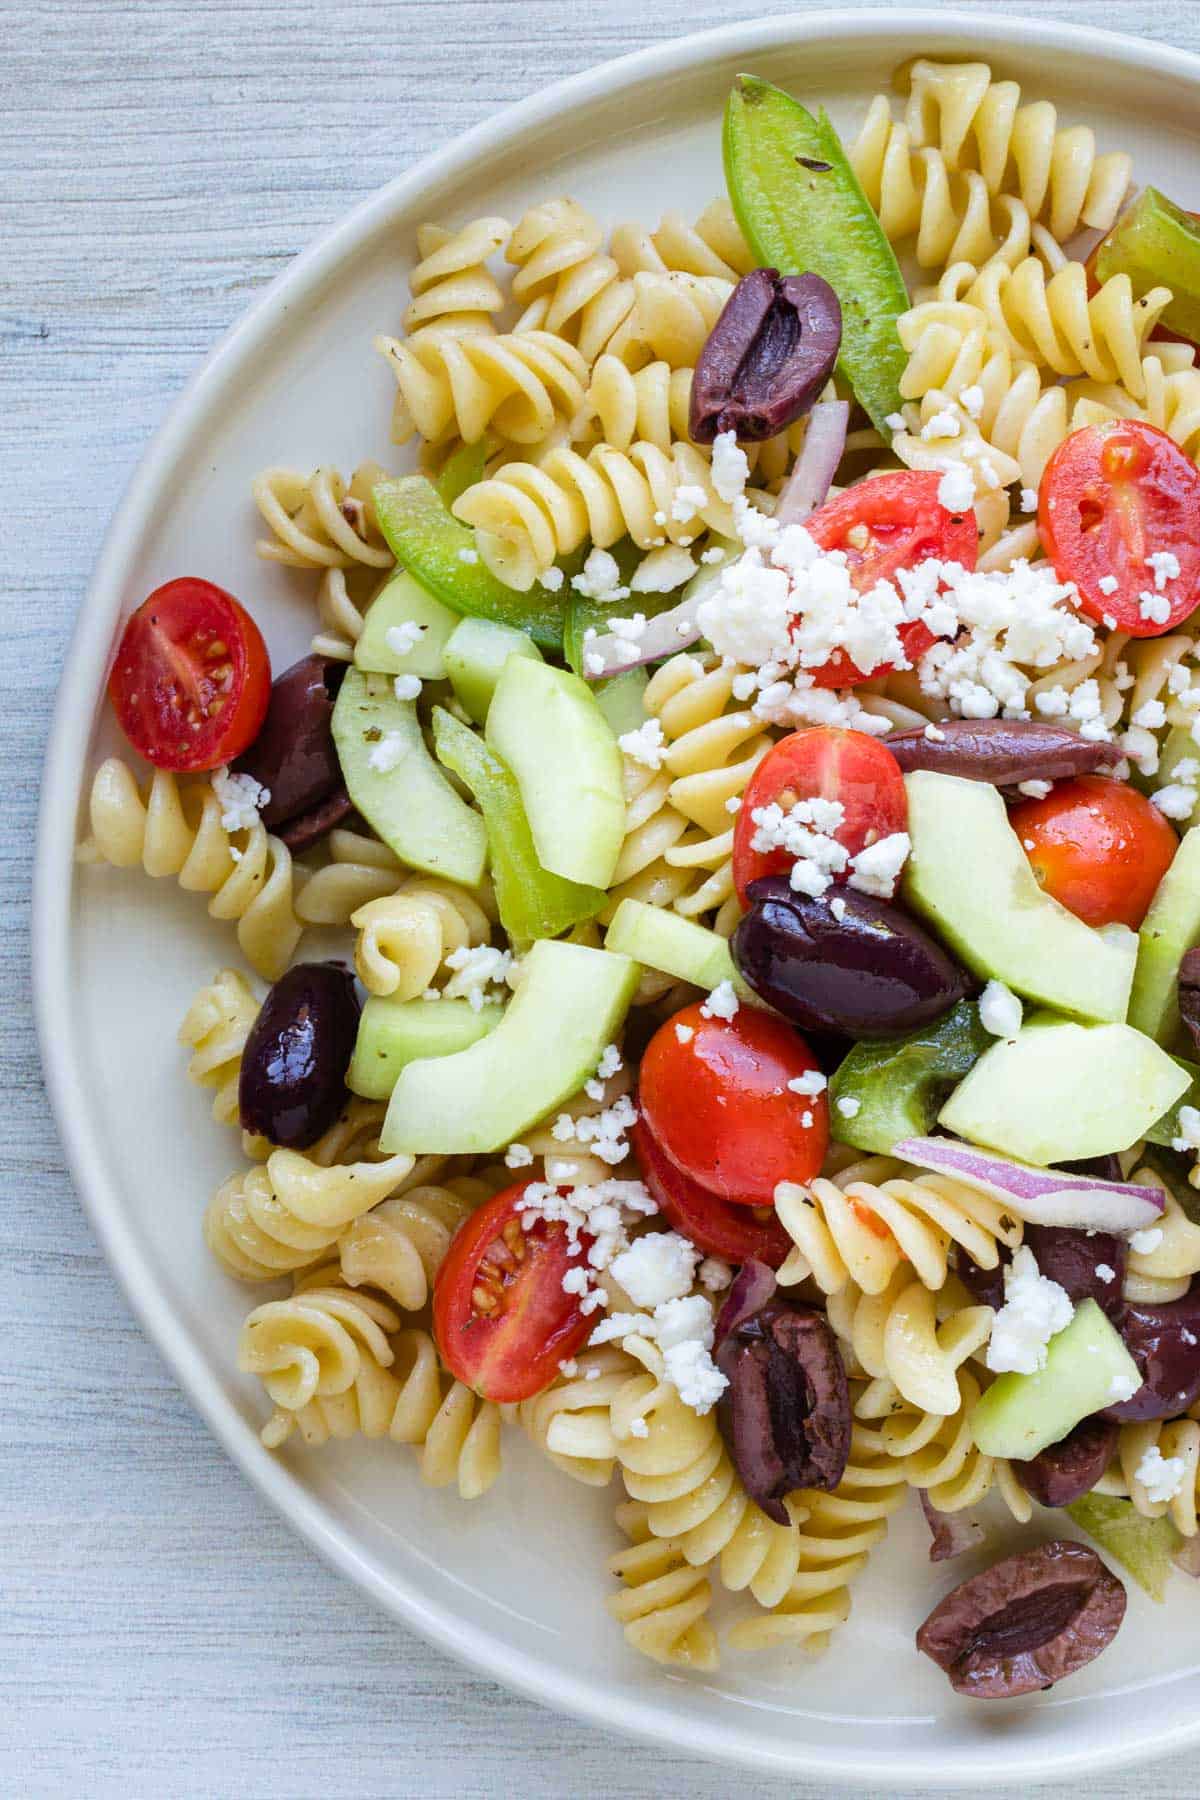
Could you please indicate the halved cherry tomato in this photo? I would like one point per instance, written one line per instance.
(712, 1224)
(719, 1106)
(1111, 496)
(192, 677)
(830, 764)
(905, 523)
(1098, 847)
(500, 1316)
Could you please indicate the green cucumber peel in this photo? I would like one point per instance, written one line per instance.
(799, 219)
(428, 541)
(1164, 1131)
(533, 903)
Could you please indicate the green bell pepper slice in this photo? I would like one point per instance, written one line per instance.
(900, 1085)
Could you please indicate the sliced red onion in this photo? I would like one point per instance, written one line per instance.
(953, 1533)
(664, 635)
(753, 1286)
(816, 466)
(1040, 1196)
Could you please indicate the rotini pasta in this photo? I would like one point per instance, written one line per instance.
(518, 385)
(1165, 1272)
(936, 1451)
(177, 830)
(664, 1603)
(910, 1337)
(398, 1246)
(452, 288)
(1177, 1443)
(318, 522)
(404, 939)
(215, 1028)
(569, 1421)
(268, 1221)
(569, 1143)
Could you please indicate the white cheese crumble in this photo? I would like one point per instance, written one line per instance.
(610, 1063)
(714, 1274)
(971, 400)
(685, 1033)
(600, 578)
(876, 868)
(1189, 1130)
(1177, 800)
(837, 907)
(1161, 1476)
(518, 1156)
(896, 422)
(1122, 1387)
(475, 968)
(806, 832)
(730, 468)
(241, 799)
(812, 1083)
(1145, 1243)
(552, 580)
(683, 1331)
(1000, 1011)
(933, 735)
(602, 1213)
(662, 571)
(1154, 608)
(722, 1003)
(646, 745)
(407, 687)
(1108, 584)
(1165, 567)
(956, 489)
(406, 636)
(387, 753)
(942, 425)
(1034, 790)
(848, 1107)
(734, 803)
(1105, 1272)
(715, 555)
(1029, 500)
(656, 1268)
(1035, 1310)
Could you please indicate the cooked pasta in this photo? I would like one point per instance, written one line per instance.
(398, 1246)
(569, 1143)
(516, 384)
(177, 830)
(569, 1421)
(318, 522)
(452, 288)
(1054, 323)
(359, 870)
(936, 1451)
(903, 1335)
(650, 406)
(404, 939)
(1164, 1272)
(664, 1603)
(268, 1221)
(1137, 1469)
(872, 1216)
(215, 1028)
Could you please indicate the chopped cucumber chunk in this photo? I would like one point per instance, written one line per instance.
(475, 654)
(404, 602)
(1145, 1547)
(1087, 1367)
(393, 1033)
(675, 946)
(1170, 929)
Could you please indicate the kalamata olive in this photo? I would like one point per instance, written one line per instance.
(1189, 996)
(1072, 1257)
(293, 1079)
(1073, 1466)
(1002, 751)
(1164, 1342)
(1026, 1622)
(950, 1534)
(767, 357)
(293, 755)
(785, 1415)
(845, 962)
(309, 827)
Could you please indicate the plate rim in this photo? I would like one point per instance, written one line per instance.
(52, 904)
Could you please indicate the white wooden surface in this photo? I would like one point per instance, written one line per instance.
(162, 1632)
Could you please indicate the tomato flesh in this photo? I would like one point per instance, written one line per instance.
(1111, 496)
(904, 523)
(192, 678)
(858, 771)
(500, 1316)
(715, 1226)
(718, 1105)
(1098, 847)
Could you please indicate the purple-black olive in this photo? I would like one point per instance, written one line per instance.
(1002, 751)
(1189, 995)
(293, 755)
(1164, 1342)
(1026, 1622)
(767, 357)
(785, 1415)
(1072, 1467)
(293, 1079)
(865, 970)
(1063, 1253)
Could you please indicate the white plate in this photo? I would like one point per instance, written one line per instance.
(514, 1584)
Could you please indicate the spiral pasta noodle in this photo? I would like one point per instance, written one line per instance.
(177, 830)
(452, 288)
(569, 1421)
(1170, 388)
(910, 1336)
(215, 1028)
(269, 1221)
(528, 514)
(570, 1143)
(399, 1245)
(860, 1225)
(518, 385)
(1165, 1272)
(1172, 1439)
(664, 1603)
(649, 406)
(936, 1452)
(318, 522)
(359, 870)
(404, 938)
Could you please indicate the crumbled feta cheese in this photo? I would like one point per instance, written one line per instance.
(1189, 1130)
(722, 1003)
(805, 832)
(689, 499)
(1034, 790)
(404, 637)
(1000, 1011)
(896, 422)
(1108, 584)
(1122, 1387)
(570, 1368)
(876, 868)
(600, 578)
(387, 753)
(714, 1274)
(468, 555)
(956, 489)
(475, 967)
(518, 1156)
(944, 424)
(812, 1083)
(1155, 608)
(715, 555)
(646, 745)
(662, 571)
(683, 1331)
(1165, 565)
(552, 580)
(730, 468)
(1177, 800)
(848, 1107)
(656, 1268)
(1145, 1243)
(932, 734)
(1105, 1272)
(610, 1063)
(241, 799)
(685, 1033)
(1150, 716)
(1035, 1309)
(407, 687)
(1161, 1476)
(971, 400)
(837, 907)
(1029, 500)
(638, 1428)
(733, 804)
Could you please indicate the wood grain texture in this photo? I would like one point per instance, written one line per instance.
(161, 1631)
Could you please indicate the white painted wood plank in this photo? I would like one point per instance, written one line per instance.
(161, 1631)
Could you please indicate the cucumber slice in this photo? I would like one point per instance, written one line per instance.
(899, 1085)
(475, 655)
(393, 1033)
(1060, 1091)
(545, 724)
(662, 940)
(1169, 930)
(621, 700)
(1146, 1547)
(569, 1007)
(403, 602)
(970, 878)
(410, 804)
(1086, 1364)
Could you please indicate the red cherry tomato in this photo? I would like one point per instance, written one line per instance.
(719, 1106)
(1111, 496)
(829, 764)
(192, 677)
(712, 1224)
(1098, 847)
(906, 524)
(500, 1316)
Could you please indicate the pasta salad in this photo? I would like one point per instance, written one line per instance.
(749, 746)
